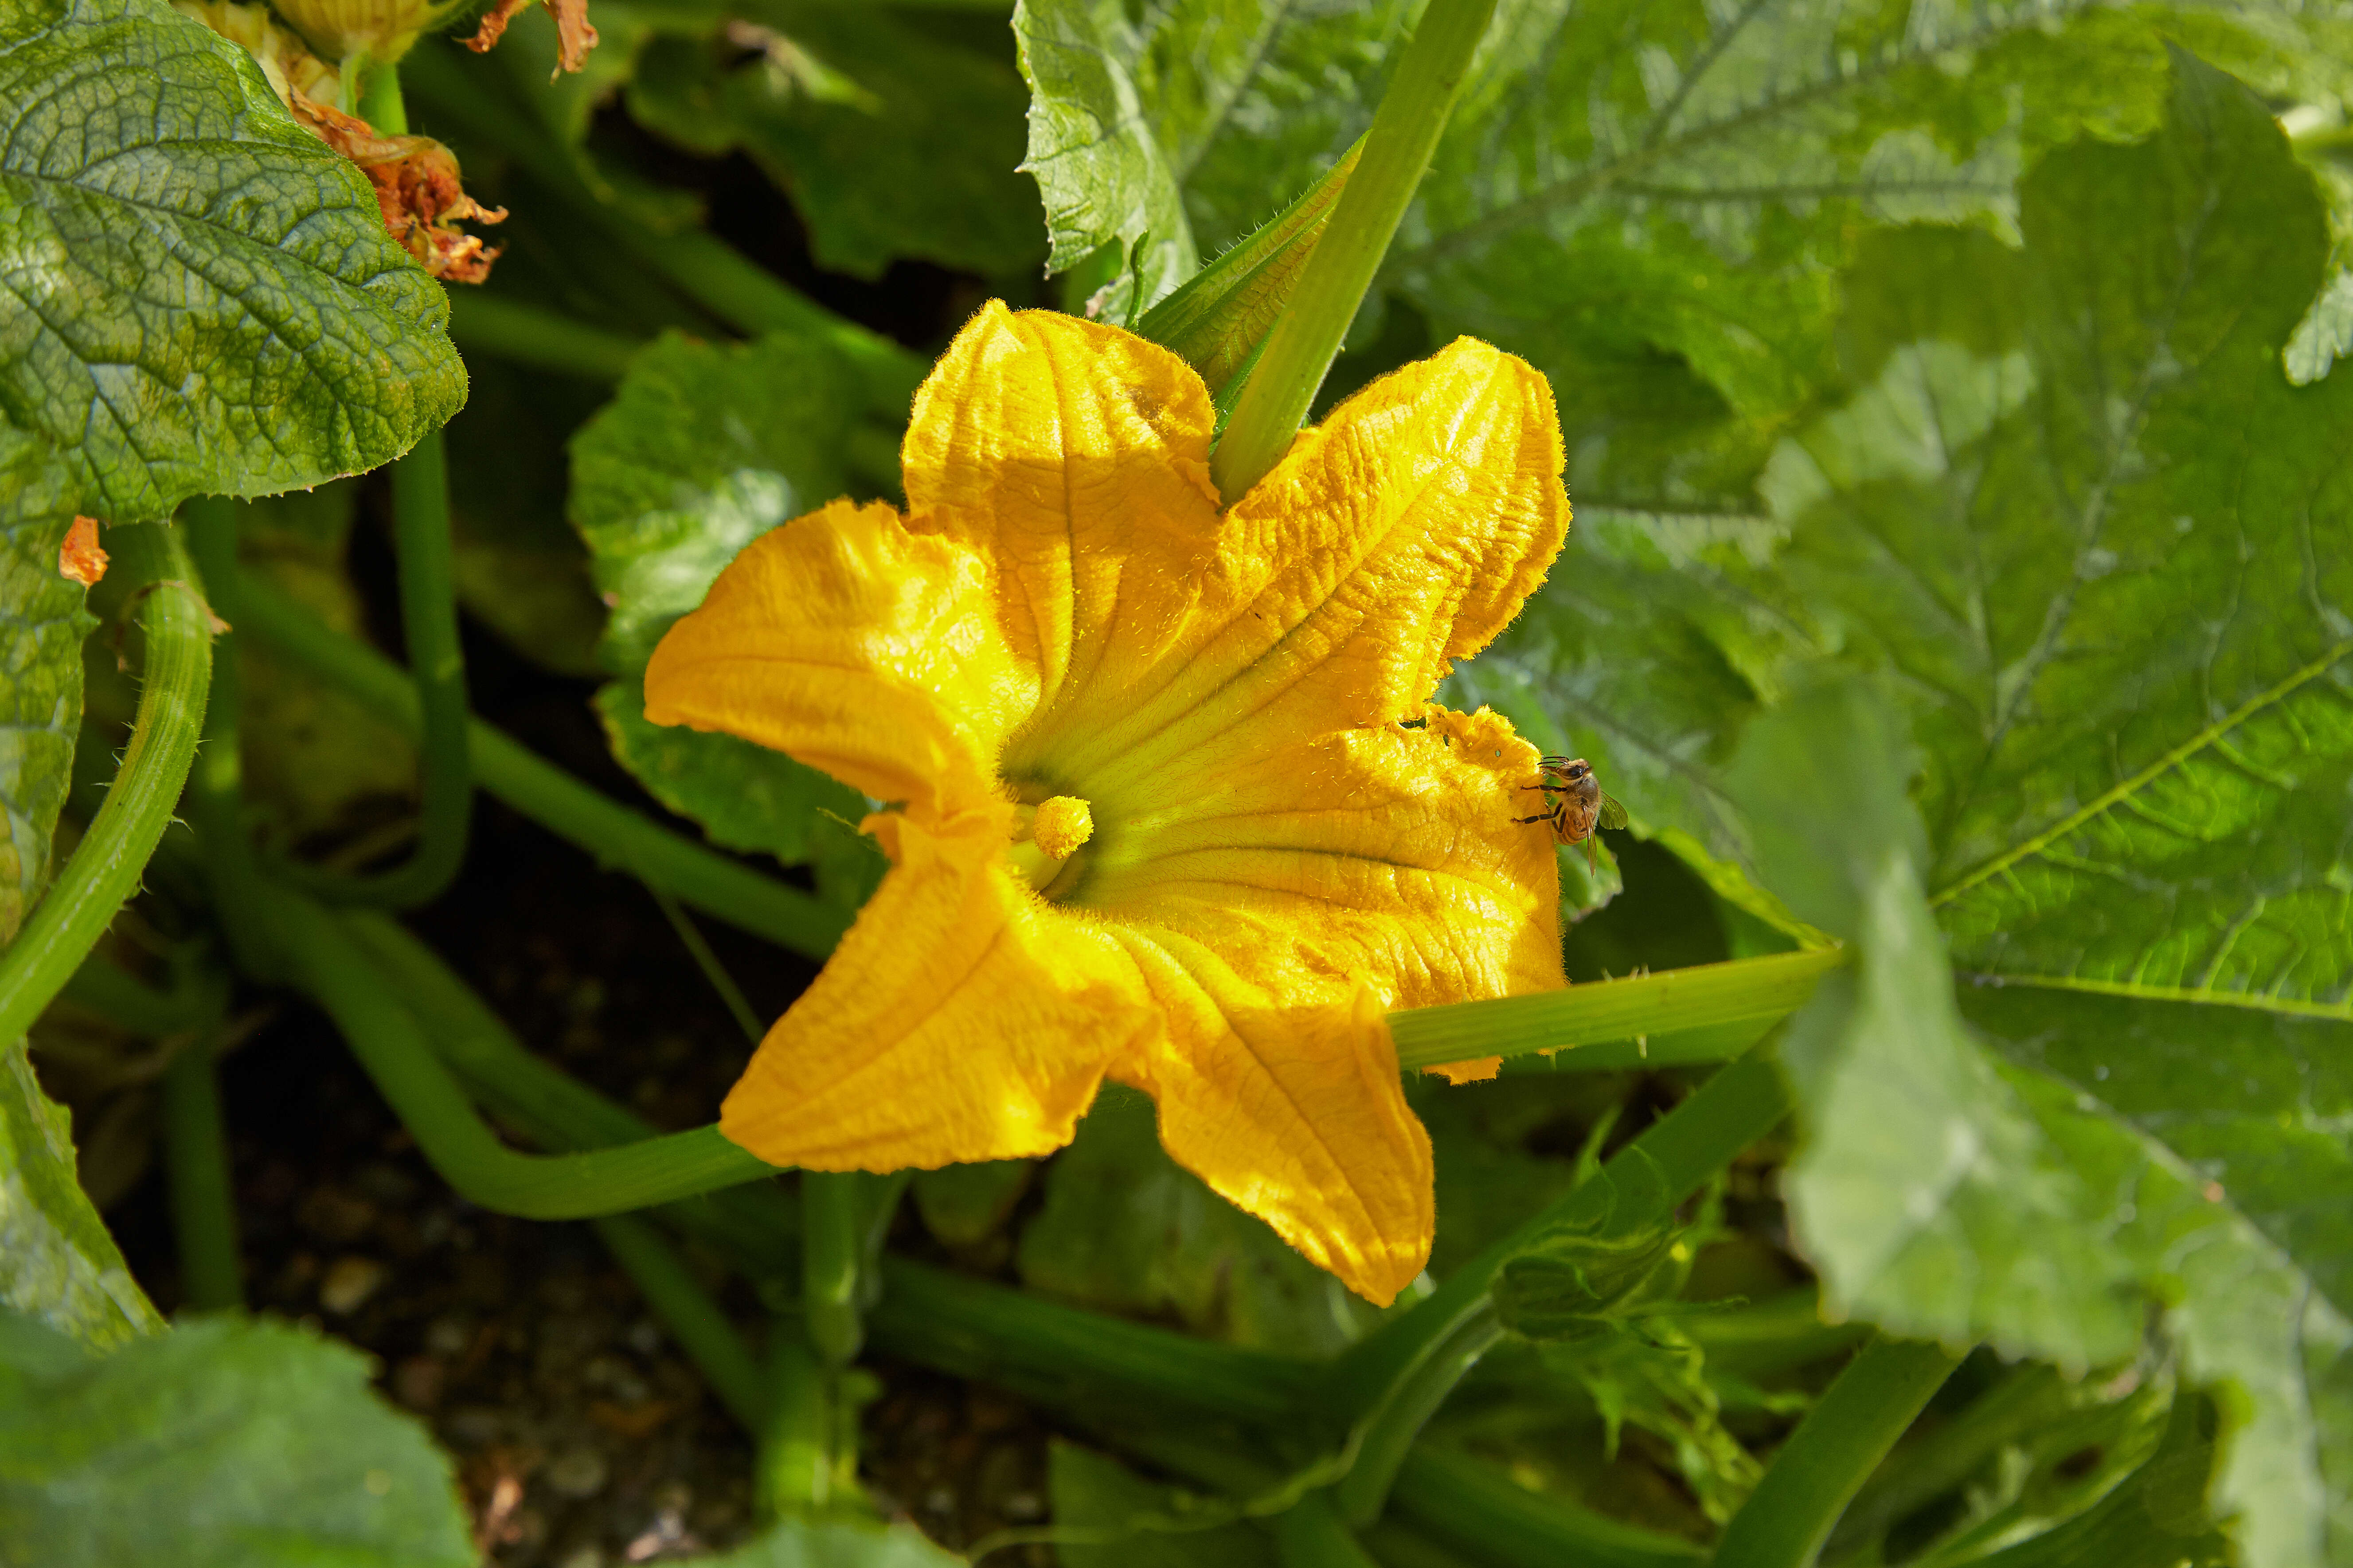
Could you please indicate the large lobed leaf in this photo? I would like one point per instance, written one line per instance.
(1650, 202)
(200, 298)
(224, 1443)
(2077, 520)
(204, 296)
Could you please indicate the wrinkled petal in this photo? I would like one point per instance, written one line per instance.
(1403, 533)
(949, 1025)
(1390, 853)
(856, 646)
(575, 34)
(1075, 456)
(1296, 1113)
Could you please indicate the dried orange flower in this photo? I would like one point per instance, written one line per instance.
(79, 558)
(415, 178)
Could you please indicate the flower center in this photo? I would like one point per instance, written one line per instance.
(1045, 836)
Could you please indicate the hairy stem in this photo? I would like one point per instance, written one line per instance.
(105, 866)
(1832, 1454)
(1705, 996)
(617, 835)
(1405, 130)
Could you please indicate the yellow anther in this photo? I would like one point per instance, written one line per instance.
(1062, 825)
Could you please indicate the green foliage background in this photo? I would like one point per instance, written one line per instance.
(1963, 564)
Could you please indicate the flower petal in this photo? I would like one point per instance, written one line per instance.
(1075, 456)
(955, 1022)
(859, 649)
(1389, 853)
(1403, 533)
(1296, 1113)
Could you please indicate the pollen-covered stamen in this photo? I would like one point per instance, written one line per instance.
(1062, 825)
(1045, 836)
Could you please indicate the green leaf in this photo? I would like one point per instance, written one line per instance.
(1104, 175)
(40, 693)
(1940, 1193)
(1650, 202)
(57, 1263)
(1926, 1192)
(204, 298)
(703, 449)
(223, 1443)
(747, 797)
(2082, 526)
(1107, 1516)
(1124, 1228)
(893, 141)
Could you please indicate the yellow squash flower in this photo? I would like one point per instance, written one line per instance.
(1169, 801)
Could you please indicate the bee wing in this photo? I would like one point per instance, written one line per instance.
(1612, 814)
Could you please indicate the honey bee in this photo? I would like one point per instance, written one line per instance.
(1575, 803)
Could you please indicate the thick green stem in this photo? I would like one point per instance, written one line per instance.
(793, 1473)
(196, 1158)
(617, 835)
(833, 1245)
(105, 866)
(1706, 995)
(1688, 1146)
(1391, 1429)
(1832, 1454)
(693, 1318)
(1479, 1510)
(509, 329)
(394, 1048)
(1311, 1534)
(1405, 130)
(757, 1224)
(428, 618)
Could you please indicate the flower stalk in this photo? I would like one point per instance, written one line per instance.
(1274, 402)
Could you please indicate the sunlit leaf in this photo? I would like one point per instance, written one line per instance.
(204, 298)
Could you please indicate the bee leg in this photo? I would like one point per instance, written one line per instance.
(1592, 860)
(1540, 816)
